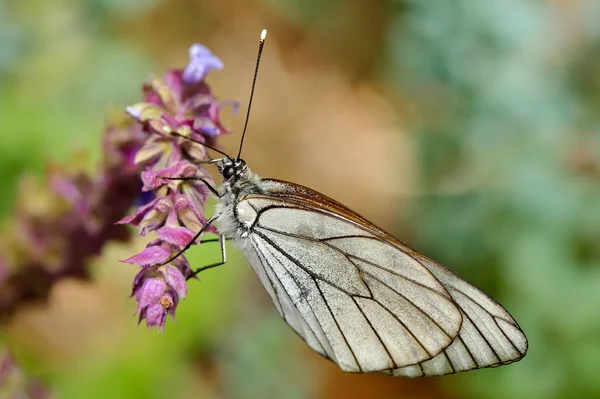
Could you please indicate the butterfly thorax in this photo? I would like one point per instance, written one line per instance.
(238, 182)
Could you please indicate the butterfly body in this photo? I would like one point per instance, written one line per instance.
(354, 293)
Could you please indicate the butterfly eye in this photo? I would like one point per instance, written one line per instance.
(228, 172)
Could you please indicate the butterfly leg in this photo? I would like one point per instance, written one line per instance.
(215, 240)
(193, 240)
(198, 178)
(222, 262)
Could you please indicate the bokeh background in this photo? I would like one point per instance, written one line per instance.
(469, 129)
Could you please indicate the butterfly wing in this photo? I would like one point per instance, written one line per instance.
(364, 299)
(488, 337)
(354, 297)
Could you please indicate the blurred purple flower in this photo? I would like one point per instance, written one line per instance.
(181, 102)
(14, 383)
(201, 61)
(67, 218)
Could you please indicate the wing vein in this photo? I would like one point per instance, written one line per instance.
(262, 263)
(316, 277)
(324, 242)
(492, 317)
(311, 274)
(469, 351)
(405, 327)
(313, 277)
(376, 333)
(483, 336)
(337, 324)
(449, 361)
(300, 286)
(495, 322)
(411, 302)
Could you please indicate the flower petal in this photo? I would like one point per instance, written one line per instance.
(173, 80)
(151, 149)
(169, 301)
(145, 111)
(166, 95)
(138, 215)
(179, 236)
(183, 265)
(188, 213)
(194, 150)
(152, 180)
(156, 316)
(175, 279)
(156, 216)
(152, 255)
(150, 292)
(201, 61)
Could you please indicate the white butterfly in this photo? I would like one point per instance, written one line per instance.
(354, 293)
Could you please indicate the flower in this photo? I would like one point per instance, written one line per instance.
(150, 292)
(66, 218)
(158, 296)
(182, 103)
(201, 61)
(15, 383)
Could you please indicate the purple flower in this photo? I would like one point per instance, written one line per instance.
(175, 235)
(154, 179)
(14, 383)
(155, 316)
(201, 61)
(150, 293)
(155, 313)
(157, 289)
(54, 241)
(173, 211)
(181, 102)
(174, 279)
(152, 255)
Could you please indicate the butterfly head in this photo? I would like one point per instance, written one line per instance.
(232, 168)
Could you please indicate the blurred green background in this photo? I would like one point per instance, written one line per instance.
(469, 129)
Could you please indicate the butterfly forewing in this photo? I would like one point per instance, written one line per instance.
(357, 295)
(355, 298)
(489, 336)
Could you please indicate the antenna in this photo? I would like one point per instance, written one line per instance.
(261, 44)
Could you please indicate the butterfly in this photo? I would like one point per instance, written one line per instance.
(354, 293)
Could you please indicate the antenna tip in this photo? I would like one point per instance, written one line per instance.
(263, 35)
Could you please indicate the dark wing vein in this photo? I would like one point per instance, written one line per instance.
(362, 271)
(337, 324)
(326, 242)
(276, 299)
(494, 318)
(274, 245)
(465, 314)
(376, 333)
(316, 277)
(306, 322)
(468, 351)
